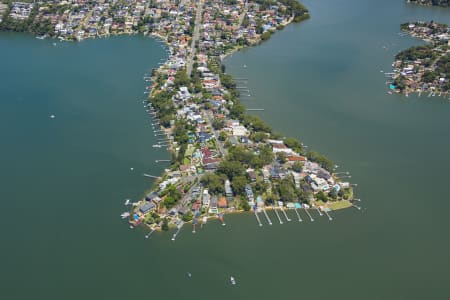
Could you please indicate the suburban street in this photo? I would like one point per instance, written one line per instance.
(195, 37)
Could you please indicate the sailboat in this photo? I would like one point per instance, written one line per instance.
(232, 280)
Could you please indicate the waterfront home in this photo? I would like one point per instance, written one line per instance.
(239, 130)
(228, 190)
(150, 196)
(251, 175)
(206, 200)
(213, 206)
(183, 211)
(223, 203)
(147, 207)
(249, 194)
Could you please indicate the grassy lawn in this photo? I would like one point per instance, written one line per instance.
(339, 204)
(189, 151)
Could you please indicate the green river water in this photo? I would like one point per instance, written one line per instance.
(64, 180)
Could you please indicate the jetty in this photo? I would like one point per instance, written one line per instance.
(278, 216)
(150, 233)
(257, 218)
(150, 176)
(179, 225)
(162, 160)
(285, 214)
(298, 215)
(318, 210)
(307, 212)
(355, 206)
(267, 217)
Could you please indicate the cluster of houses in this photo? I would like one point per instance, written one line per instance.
(237, 23)
(79, 19)
(420, 74)
(21, 10)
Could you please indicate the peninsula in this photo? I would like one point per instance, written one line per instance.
(223, 159)
(424, 68)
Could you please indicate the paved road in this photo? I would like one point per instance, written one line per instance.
(195, 37)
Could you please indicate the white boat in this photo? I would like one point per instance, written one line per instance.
(125, 215)
(233, 281)
(127, 202)
(52, 116)
(156, 146)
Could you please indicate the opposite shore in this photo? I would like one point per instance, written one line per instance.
(424, 68)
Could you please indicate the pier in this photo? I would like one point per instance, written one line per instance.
(318, 210)
(285, 214)
(255, 109)
(307, 212)
(298, 215)
(278, 216)
(150, 176)
(162, 160)
(329, 217)
(257, 218)
(180, 224)
(355, 206)
(267, 217)
(150, 233)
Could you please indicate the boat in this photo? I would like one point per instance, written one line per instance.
(156, 146)
(41, 37)
(127, 201)
(189, 274)
(245, 66)
(54, 44)
(52, 116)
(233, 281)
(125, 215)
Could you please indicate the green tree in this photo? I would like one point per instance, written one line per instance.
(239, 183)
(230, 168)
(222, 136)
(321, 196)
(213, 182)
(281, 157)
(165, 224)
(218, 124)
(297, 166)
(287, 190)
